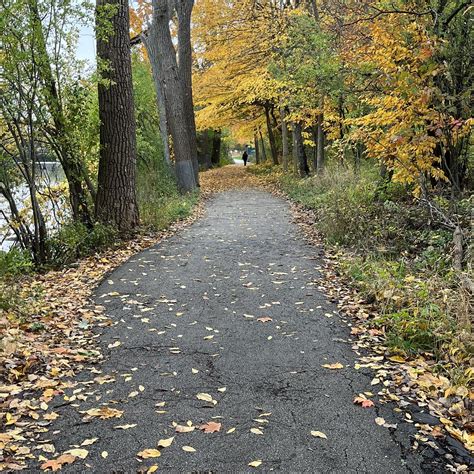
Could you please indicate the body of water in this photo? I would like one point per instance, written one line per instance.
(49, 174)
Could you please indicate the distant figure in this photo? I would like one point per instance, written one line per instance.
(245, 157)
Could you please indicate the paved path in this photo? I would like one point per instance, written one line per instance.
(185, 313)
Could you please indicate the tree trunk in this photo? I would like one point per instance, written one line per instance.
(264, 152)
(321, 139)
(216, 148)
(301, 159)
(116, 202)
(204, 150)
(257, 151)
(284, 138)
(314, 151)
(178, 121)
(271, 136)
(184, 9)
(160, 97)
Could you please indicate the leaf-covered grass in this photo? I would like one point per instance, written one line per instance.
(395, 255)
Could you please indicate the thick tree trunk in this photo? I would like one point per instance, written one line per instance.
(257, 151)
(271, 136)
(184, 9)
(301, 159)
(216, 148)
(160, 97)
(116, 202)
(284, 138)
(70, 162)
(178, 120)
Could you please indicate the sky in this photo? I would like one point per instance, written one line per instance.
(86, 44)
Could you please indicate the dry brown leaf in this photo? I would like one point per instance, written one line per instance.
(211, 427)
(56, 464)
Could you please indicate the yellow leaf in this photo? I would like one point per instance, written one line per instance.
(152, 469)
(188, 449)
(256, 431)
(78, 453)
(149, 453)
(165, 443)
(255, 463)
(336, 365)
(318, 434)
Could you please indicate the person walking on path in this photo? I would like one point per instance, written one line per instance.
(245, 157)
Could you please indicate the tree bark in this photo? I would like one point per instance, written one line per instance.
(284, 138)
(178, 120)
(204, 150)
(264, 152)
(271, 135)
(257, 151)
(160, 97)
(300, 154)
(216, 148)
(116, 202)
(184, 9)
(321, 139)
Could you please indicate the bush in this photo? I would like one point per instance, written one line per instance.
(15, 262)
(75, 240)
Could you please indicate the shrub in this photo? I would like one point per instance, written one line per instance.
(75, 240)
(15, 262)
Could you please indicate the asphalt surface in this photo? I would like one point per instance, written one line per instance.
(185, 313)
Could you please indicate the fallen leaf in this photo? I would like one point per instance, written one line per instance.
(364, 402)
(231, 430)
(78, 453)
(152, 469)
(114, 344)
(184, 429)
(336, 365)
(211, 427)
(88, 442)
(188, 449)
(255, 463)
(104, 413)
(56, 464)
(318, 434)
(194, 371)
(256, 431)
(149, 453)
(266, 319)
(380, 421)
(125, 427)
(165, 443)
(206, 397)
(104, 454)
